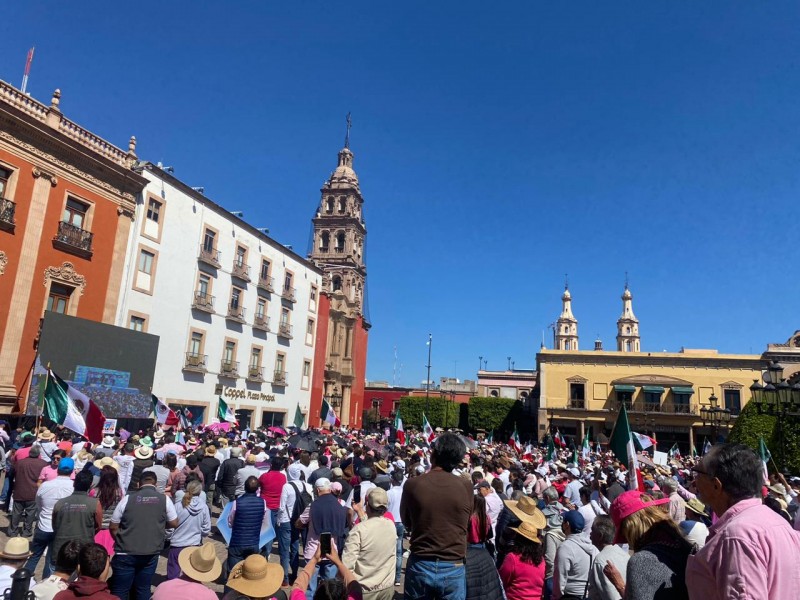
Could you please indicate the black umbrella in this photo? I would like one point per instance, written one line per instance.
(340, 440)
(304, 441)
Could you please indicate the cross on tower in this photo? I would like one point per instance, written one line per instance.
(347, 134)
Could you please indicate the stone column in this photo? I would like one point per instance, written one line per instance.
(19, 306)
(691, 440)
(117, 266)
(582, 428)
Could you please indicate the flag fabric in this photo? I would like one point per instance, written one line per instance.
(225, 412)
(328, 415)
(527, 453)
(559, 440)
(299, 419)
(622, 446)
(398, 426)
(694, 452)
(551, 450)
(514, 441)
(71, 408)
(585, 448)
(427, 430)
(706, 447)
(490, 439)
(644, 441)
(163, 413)
(675, 452)
(185, 418)
(765, 455)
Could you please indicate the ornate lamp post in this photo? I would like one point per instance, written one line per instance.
(715, 416)
(777, 398)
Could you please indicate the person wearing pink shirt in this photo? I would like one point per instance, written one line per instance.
(750, 552)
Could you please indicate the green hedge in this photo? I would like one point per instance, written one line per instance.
(440, 412)
(494, 414)
(750, 426)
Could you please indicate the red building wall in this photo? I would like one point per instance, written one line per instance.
(320, 353)
(360, 342)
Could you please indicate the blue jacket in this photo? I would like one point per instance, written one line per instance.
(246, 530)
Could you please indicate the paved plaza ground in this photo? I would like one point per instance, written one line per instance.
(161, 571)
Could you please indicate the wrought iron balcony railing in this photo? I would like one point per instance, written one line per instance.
(73, 239)
(195, 362)
(204, 302)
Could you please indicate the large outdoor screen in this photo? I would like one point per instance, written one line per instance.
(112, 365)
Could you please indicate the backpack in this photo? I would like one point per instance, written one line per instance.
(302, 500)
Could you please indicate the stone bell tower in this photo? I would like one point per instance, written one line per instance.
(338, 249)
(566, 327)
(628, 325)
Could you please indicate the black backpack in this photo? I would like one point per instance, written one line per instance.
(302, 500)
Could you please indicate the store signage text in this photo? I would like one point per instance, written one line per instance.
(240, 394)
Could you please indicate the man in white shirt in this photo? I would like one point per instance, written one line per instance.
(288, 535)
(572, 492)
(395, 494)
(125, 460)
(494, 505)
(47, 495)
(368, 550)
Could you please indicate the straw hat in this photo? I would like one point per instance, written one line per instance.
(528, 530)
(108, 442)
(696, 506)
(16, 548)
(255, 577)
(211, 450)
(525, 510)
(46, 435)
(158, 434)
(223, 441)
(200, 562)
(106, 461)
(143, 452)
(382, 466)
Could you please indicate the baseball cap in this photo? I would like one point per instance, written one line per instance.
(625, 505)
(378, 498)
(574, 472)
(66, 465)
(575, 520)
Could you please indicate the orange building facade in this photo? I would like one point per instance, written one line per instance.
(67, 199)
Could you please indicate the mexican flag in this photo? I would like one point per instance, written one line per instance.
(298, 418)
(514, 441)
(551, 451)
(675, 452)
(398, 425)
(706, 447)
(765, 455)
(328, 415)
(622, 446)
(163, 413)
(559, 440)
(427, 430)
(644, 441)
(71, 408)
(185, 418)
(585, 448)
(225, 412)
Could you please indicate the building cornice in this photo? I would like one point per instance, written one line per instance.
(648, 359)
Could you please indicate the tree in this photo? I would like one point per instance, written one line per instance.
(494, 414)
(441, 412)
(750, 426)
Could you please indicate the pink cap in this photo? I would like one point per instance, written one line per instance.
(625, 505)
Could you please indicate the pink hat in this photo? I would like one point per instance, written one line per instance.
(625, 505)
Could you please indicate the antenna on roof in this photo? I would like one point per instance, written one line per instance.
(27, 72)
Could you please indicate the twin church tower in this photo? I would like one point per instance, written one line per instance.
(566, 327)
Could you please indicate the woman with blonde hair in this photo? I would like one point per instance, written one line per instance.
(657, 569)
(194, 523)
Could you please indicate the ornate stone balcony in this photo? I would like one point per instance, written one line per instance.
(279, 378)
(210, 256)
(261, 322)
(241, 270)
(204, 302)
(7, 210)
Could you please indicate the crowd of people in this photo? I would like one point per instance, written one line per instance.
(350, 515)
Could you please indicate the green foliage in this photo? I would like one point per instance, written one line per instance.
(494, 414)
(440, 412)
(750, 426)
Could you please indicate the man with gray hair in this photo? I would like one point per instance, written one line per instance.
(553, 536)
(602, 536)
(677, 506)
(750, 552)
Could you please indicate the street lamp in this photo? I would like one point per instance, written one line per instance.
(715, 416)
(777, 398)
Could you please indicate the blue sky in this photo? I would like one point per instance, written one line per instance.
(499, 146)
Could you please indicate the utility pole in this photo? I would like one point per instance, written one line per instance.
(428, 378)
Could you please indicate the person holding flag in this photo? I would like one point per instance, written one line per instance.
(622, 446)
(427, 430)
(71, 408)
(514, 441)
(328, 415)
(163, 414)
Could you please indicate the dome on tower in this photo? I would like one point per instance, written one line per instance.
(344, 176)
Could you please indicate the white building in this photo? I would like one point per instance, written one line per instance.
(236, 311)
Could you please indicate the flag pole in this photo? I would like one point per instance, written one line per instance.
(41, 403)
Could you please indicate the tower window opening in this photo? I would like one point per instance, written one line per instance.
(337, 283)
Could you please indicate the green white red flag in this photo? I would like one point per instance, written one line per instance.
(225, 412)
(622, 446)
(163, 413)
(401, 432)
(70, 407)
(427, 430)
(328, 415)
(765, 455)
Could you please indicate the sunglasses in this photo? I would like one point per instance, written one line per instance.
(701, 472)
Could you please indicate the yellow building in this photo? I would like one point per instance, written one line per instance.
(663, 392)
